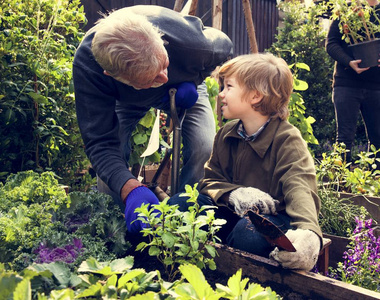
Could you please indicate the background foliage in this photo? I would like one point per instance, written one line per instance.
(301, 40)
(38, 128)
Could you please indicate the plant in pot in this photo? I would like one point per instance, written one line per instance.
(359, 23)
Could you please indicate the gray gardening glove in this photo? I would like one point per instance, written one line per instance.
(245, 198)
(307, 244)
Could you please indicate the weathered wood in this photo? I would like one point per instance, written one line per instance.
(372, 204)
(178, 5)
(250, 27)
(217, 14)
(267, 272)
(193, 8)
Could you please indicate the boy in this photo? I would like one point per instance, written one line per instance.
(259, 157)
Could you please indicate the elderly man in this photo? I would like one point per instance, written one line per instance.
(124, 66)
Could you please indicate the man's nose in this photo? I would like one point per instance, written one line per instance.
(162, 77)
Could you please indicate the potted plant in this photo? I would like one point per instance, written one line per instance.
(359, 22)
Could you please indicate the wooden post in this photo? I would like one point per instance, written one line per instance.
(193, 8)
(178, 5)
(250, 27)
(217, 6)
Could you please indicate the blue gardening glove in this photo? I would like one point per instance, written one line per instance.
(186, 95)
(137, 197)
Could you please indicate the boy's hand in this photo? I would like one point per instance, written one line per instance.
(307, 244)
(245, 198)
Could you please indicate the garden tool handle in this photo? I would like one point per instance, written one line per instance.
(177, 127)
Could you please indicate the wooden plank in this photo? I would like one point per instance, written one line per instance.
(268, 272)
(217, 14)
(372, 204)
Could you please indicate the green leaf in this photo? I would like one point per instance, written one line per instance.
(198, 282)
(168, 239)
(93, 290)
(129, 276)
(38, 98)
(65, 294)
(300, 85)
(23, 290)
(154, 251)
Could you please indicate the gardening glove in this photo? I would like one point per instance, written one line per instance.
(186, 94)
(307, 244)
(246, 198)
(137, 197)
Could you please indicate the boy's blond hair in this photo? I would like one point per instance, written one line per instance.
(128, 46)
(267, 74)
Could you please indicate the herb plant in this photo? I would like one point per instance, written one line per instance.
(180, 237)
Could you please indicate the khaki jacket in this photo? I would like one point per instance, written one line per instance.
(277, 162)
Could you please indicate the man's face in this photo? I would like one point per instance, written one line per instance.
(155, 82)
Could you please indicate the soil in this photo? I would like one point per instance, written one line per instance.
(150, 263)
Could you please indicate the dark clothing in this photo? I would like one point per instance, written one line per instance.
(344, 75)
(353, 93)
(194, 51)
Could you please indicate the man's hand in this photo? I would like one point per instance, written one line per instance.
(354, 64)
(137, 197)
(307, 244)
(186, 94)
(245, 198)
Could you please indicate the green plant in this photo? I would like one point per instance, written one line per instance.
(301, 39)
(337, 216)
(39, 222)
(355, 19)
(180, 237)
(362, 178)
(297, 108)
(38, 124)
(117, 279)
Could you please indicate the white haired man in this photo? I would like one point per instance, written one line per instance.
(124, 66)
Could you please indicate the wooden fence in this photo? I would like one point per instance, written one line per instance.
(264, 14)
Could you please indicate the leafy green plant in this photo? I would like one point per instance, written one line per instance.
(180, 237)
(297, 108)
(117, 279)
(38, 124)
(301, 39)
(39, 222)
(362, 178)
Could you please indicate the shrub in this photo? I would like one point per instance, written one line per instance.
(38, 128)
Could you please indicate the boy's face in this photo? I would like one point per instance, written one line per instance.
(236, 101)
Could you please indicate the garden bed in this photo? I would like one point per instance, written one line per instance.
(289, 283)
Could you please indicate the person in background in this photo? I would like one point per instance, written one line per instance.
(260, 161)
(356, 90)
(126, 65)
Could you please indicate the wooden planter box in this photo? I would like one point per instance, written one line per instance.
(267, 272)
(372, 204)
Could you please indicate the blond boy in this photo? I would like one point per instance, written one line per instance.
(258, 157)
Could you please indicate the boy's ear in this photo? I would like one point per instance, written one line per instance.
(255, 97)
